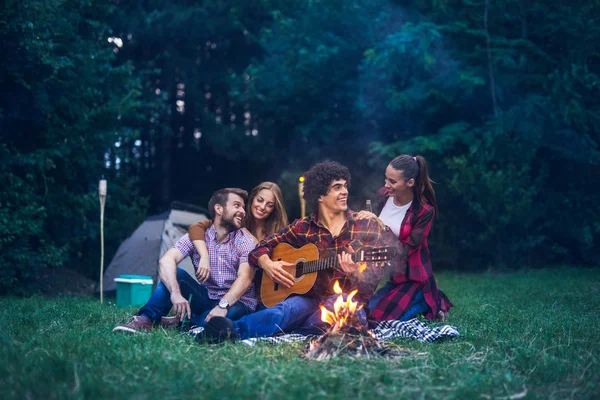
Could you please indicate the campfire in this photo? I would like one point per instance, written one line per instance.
(347, 334)
(344, 310)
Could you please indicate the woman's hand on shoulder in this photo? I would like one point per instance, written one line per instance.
(369, 215)
(366, 215)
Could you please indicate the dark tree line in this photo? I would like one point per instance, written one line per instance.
(170, 100)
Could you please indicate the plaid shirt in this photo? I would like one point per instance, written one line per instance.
(225, 260)
(355, 233)
(412, 268)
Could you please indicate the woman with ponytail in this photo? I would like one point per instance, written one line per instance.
(406, 208)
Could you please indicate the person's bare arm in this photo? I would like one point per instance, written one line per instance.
(196, 234)
(167, 271)
(203, 270)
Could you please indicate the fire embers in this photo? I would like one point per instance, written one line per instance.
(347, 334)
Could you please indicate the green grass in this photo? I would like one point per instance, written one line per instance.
(532, 334)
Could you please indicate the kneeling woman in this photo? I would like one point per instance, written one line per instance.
(407, 207)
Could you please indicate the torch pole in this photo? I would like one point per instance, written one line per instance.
(301, 195)
(102, 194)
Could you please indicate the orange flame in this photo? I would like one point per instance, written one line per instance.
(342, 310)
(336, 288)
(362, 267)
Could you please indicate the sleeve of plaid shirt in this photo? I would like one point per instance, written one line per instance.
(418, 233)
(184, 245)
(245, 246)
(285, 235)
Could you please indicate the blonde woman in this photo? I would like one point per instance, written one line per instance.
(267, 216)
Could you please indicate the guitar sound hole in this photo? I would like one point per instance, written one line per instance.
(299, 269)
(275, 284)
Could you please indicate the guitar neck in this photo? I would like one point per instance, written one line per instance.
(328, 263)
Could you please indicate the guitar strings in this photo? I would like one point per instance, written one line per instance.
(308, 267)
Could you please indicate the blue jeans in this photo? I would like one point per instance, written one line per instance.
(297, 314)
(417, 306)
(159, 304)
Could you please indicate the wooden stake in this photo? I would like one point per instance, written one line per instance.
(102, 194)
(301, 195)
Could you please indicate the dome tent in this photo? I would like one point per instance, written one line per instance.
(139, 254)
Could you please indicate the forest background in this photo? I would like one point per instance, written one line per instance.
(171, 100)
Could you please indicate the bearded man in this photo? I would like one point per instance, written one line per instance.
(228, 292)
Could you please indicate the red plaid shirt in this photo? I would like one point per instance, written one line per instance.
(412, 268)
(355, 233)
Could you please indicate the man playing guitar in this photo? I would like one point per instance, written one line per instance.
(336, 233)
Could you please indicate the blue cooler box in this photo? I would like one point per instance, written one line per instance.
(133, 290)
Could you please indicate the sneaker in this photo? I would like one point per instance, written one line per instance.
(137, 324)
(195, 330)
(169, 322)
(217, 330)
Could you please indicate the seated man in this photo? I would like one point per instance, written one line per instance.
(336, 232)
(227, 291)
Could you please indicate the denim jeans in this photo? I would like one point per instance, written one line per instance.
(159, 304)
(283, 317)
(297, 314)
(417, 306)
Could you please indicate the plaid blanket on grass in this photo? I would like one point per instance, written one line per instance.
(385, 330)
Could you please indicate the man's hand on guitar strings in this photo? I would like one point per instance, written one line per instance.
(346, 262)
(276, 272)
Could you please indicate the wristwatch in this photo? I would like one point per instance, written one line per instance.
(224, 304)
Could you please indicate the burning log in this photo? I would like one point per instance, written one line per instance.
(347, 335)
(349, 340)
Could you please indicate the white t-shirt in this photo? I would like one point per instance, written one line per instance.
(392, 215)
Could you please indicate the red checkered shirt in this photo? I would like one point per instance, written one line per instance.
(355, 233)
(225, 260)
(412, 267)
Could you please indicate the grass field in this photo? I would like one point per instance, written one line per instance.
(531, 334)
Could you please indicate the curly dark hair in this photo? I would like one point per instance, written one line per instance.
(319, 177)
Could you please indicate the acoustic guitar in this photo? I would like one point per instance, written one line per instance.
(306, 266)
